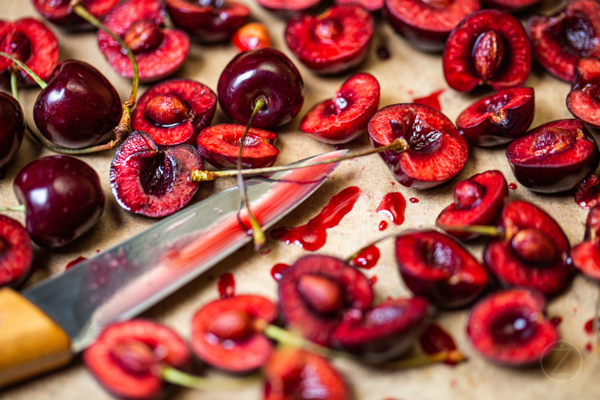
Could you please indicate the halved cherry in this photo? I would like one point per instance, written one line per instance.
(532, 251)
(332, 42)
(427, 23)
(384, 332)
(220, 146)
(151, 180)
(224, 335)
(209, 21)
(509, 328)
(477, 201)
(560, 39)
(554, 157)
(251, 36)
(60, 12)
(287, 8)
(16, 253)
(300, 375)
(344, 118)
(498, 118)
(586, 255)
(158, 51)
(126, 359)
(584, 98)
(437, 151)
(317, 292)
(433, 265)
(489, 47)
(32, 43)
(175, 111)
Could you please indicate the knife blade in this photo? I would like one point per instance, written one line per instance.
(128, 278)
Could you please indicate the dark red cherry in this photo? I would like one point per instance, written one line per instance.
(264, 72)
(79, 107)
(15, 252)
(63, 199)
(12, 128)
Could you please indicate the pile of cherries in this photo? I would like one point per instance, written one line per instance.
(326, 303)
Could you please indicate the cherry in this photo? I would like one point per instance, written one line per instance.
(62, 198)
(62, 13)
(264, 73)
(16, 254)
(251, 36)
(12, 128)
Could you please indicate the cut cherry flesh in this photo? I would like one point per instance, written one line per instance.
(427, 23)
(63, 199)
(300, 375)
(151, 180)
(318, 292)
(287, 8)
(251, 36)
(60, 12)
(370, 5)
(511, 6)
(126, 358)
(175, 111)
(559, 40)
(435, 266)
(16, 253)
(488, 47)
(499, 118)
(208, 21)
(586, 255)
(384, 332)
(223, 332)
(344, 118)
(520, 258)
(12, 128)
(32, 43)
(477, 201)
(79, 107)
(584, 99)
(220, 146)
(509, 328)
(437, 152)
(265, 73)
(332, 42)
(554, 157)
(160, 52)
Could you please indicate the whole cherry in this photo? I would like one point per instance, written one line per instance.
(12, 128)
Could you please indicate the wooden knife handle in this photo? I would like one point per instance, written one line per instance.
(30, 342)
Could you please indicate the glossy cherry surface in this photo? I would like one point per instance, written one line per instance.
(12, 128)
(263, 72)
(63, 199)
(78, 108)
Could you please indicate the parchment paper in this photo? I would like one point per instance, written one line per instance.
(406, 75)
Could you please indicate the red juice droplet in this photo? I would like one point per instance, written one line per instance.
(373, 280)
(589, 326)
(433, 100)
(226, 285)
(435, 340)
(512, 186)
(367, 258)
(588, 347)
(393, 205)
(74, 262)
(313, 235)
(556, 320)
(383, 225)
(413, 200)
(265, 252)
(453, 383)
(278, 270)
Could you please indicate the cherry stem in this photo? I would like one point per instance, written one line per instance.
(25, 68)
(356, 254)
(453, 356)
(288, 338)
(20, 208)
(172, 375)
(13, 84)
(257, 233)
(399, 146)
(485, 230)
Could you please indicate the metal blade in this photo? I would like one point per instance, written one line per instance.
(127, 279)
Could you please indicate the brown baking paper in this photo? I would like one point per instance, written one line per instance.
(406, 75)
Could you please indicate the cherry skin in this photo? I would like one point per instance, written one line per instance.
(79, 107)
(63, 199)
(266, 73)
(12, 127)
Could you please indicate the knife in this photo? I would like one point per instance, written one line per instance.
(46, 325)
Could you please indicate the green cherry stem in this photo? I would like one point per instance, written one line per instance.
(20, 208)
(172, 375)
(25, 68)
(453, 356)
(399, 145)
(288, 338)
(257, 233)
(485, 230)
(13, 84)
